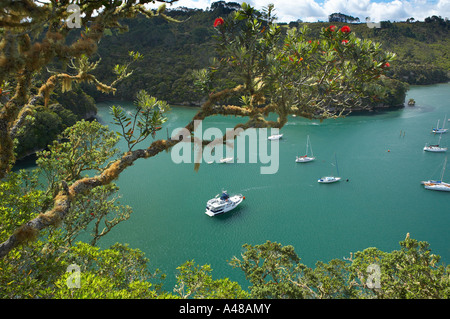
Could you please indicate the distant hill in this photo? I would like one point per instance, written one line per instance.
(422, 48)
(173, 50)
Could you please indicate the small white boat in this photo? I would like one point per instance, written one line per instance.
(275, 137)
(439, 130)
(435, 148)
(223, 203)
(330, 179)
(226, 160)
(438, 185)
(306, 158)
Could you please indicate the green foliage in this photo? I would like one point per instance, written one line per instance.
(421, 48)
(77, 102)
(196, 282)
(20, 200)
(40, 128)
(86, 146)
(147, 119)
(100, 209)
(38, 270)
(44, 124)
(271, 269)
(412, 272)
(24, 272)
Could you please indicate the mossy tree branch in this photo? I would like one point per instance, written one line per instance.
(24, 51)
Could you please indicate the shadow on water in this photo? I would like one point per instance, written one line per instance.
(28, 162)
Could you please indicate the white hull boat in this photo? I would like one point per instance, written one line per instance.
(275, 137)
(306, 158)
(439, 130)
(438, 185)
(223, 203)
(329, 179)
(434, 148)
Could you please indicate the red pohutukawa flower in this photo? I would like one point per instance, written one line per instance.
(344, 41)
(218, 21)
(386, 65)
(332, 28)
(345, 29)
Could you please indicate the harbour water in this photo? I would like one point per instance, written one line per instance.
(381, 154)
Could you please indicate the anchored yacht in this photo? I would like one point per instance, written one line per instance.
(223, 203)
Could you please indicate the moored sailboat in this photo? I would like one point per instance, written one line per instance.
(435, 148)
(331, 179)
(306, 158)
(439, 130)
(438, 185)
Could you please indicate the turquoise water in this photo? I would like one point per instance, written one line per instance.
(381, 154)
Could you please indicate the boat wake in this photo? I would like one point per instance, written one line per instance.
(255, 188)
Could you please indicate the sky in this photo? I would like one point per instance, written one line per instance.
(319, 10)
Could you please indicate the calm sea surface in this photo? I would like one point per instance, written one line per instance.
(381, 155)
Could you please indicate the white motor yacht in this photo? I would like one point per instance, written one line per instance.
(223, 203)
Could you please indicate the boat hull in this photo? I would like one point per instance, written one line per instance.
(329, 179)
(305, 159)
(440, 130)
(438, 187)
(435, 149)
(275, 137)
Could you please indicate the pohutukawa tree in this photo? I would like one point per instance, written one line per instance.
(293, 74)
(272, 72)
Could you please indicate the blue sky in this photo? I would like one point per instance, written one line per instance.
(315, 10)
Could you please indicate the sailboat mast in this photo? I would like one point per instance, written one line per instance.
(443, 169)
(335, 158)
(307, 143)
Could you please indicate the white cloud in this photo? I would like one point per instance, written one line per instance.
(315, 10)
